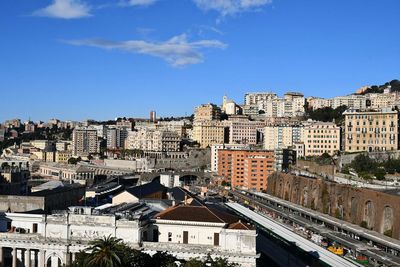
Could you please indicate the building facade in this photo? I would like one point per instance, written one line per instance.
(153, 140)
(84, 142)
(281, 135)
(207, 133)
(373, 130)
(320, 137)
(214, 152)
(246, 168)
(207, 112)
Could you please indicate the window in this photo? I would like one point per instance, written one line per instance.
(169, 236)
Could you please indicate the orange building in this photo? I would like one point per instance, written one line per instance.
(246, 168)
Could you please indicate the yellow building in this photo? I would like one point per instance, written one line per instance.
(208, 133)
(320, 137)
(373, 130)
(207, 112)
(63, 156)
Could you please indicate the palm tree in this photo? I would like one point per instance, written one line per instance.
(104, 252)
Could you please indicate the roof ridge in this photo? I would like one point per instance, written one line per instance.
(166, 210)
(214, 214)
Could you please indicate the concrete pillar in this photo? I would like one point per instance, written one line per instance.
(14, 257)
(33, 258)
(27, 258)
(41, 262)
(54, 261)
(67, 258)
(1, 257)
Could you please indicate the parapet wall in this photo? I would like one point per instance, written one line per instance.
(371, 209)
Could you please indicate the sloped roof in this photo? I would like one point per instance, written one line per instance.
(240, 226)
(195, 213)
(146, 189)
(180, 195)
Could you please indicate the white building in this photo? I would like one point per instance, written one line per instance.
(270, 105)
(184, 231)
(350, 101)
(54, 240)
(190, 231)
(277, 136)
(153, 140)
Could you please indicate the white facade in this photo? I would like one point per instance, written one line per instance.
(291, 105)
(153, 140)
(237, 245)
(170, 180)
(281, 136)
(350, 101)
(40, 240)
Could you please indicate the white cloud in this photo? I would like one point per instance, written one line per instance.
(139, 2)
(231, 7)
(177, 51)
(65, 9)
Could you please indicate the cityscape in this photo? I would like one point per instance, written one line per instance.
(307, 176)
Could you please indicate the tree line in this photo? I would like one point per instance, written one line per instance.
(367, 167)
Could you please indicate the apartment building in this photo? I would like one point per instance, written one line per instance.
(116, 137)
(377, 101)
(244, 131)
(101, 130)
(207, 133)
(153, 140)
(84, 141)
(214, 152)
(63, 156)
(371, 130)
(258, 97)
(281, 135)
(246, 168)
(270, 105)
(350, 101)
(207, 112)
(294, 104)
(320, 137)
(124, 124)
(318, 102)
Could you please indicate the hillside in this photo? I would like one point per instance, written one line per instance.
(395, 87)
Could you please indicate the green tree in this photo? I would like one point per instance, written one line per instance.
(380, 173)
(363, 163)
(163, 259)
(104, 253)
(193, 263)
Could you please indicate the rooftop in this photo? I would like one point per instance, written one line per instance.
(196, 214)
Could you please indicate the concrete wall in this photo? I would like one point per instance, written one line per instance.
(376, 210)
(21, 203)
(323, 170)
(199, 235)
(197, 159)
(379, 156)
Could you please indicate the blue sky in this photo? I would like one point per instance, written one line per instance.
(79, 59)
